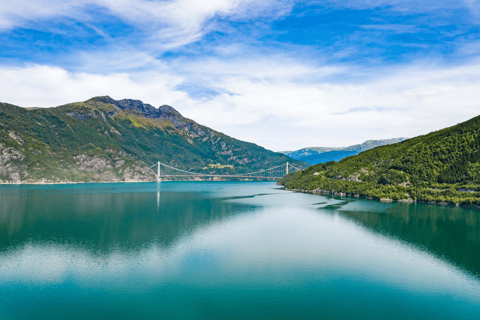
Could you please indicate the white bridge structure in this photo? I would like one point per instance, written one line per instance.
(274, 173)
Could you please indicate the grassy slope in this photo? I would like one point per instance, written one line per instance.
(46, 143)
(443, 166)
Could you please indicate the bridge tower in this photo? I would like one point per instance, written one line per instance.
(286, 168)
(158, 173)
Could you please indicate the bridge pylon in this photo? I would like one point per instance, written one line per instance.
(276, 172)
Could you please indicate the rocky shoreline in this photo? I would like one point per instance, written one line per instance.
(5, 183)
(333, 193)
(216, 179)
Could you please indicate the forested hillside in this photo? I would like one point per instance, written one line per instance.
(443, 166)
(107, 140)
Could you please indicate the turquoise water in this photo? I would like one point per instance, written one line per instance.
(231, 250)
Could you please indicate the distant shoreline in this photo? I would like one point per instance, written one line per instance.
(53, 183)
(332, 193)
(98, 182)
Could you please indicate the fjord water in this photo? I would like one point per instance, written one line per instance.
(231, 250)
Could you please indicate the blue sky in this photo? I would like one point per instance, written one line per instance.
(282, 74)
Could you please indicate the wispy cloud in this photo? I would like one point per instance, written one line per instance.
(273, 109)
(284, 74)
(166, 23)
(47, 86)
(400, 5)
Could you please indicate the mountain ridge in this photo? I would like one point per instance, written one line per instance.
(315, 155)
(107, 140)
(442, 166)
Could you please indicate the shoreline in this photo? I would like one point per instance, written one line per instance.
(55, 183)
(333, 193)
(136, 181)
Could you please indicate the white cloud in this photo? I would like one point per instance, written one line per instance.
(270, 105)
(277, 102)
(46, 86)
(474, 6)
(400, 5)
(273, 108)
(20, 12)
(165, 24)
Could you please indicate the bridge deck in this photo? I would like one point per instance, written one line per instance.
(273, 173)
(217, 175)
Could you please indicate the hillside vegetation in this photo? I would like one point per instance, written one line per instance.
(107, 140)
(443, 166)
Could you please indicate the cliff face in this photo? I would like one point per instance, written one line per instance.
(103, 139)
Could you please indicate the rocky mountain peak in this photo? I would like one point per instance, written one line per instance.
(167, 109)
(148, 110)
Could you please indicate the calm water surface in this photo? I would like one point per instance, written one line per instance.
(227, 250)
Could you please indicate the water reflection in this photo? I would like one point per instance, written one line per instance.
(227, 251)
(107, 218)
(158, 195)
(450, 233)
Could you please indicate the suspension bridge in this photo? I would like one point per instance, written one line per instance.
(166, 172)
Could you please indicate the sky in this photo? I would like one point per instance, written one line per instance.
(283, 74)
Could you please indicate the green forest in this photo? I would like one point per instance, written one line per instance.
(106, 140)
(443, 166)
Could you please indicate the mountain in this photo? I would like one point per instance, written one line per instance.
(321, 155)
(103, 139)
(308, 152)
(443, 166)
(370, 144)
(327, 156)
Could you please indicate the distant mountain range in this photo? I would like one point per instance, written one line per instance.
(105, 140)
(442, 166)
(317, 155)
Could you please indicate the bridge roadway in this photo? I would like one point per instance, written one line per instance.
(217, 175)
(261, 174)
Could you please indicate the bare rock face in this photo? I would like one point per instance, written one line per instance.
(8, 166)
(91, 164)
(138, 172)
(119, 163)
(163, 112)
(64, 144)
(354, 177)
(113, 130)
(15, 177)
(107, 176)
(15, 136)
(185, 126)
(147, 109)
(8, 154)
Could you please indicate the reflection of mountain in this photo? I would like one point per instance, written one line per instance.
(105, 220)
(450, 233)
